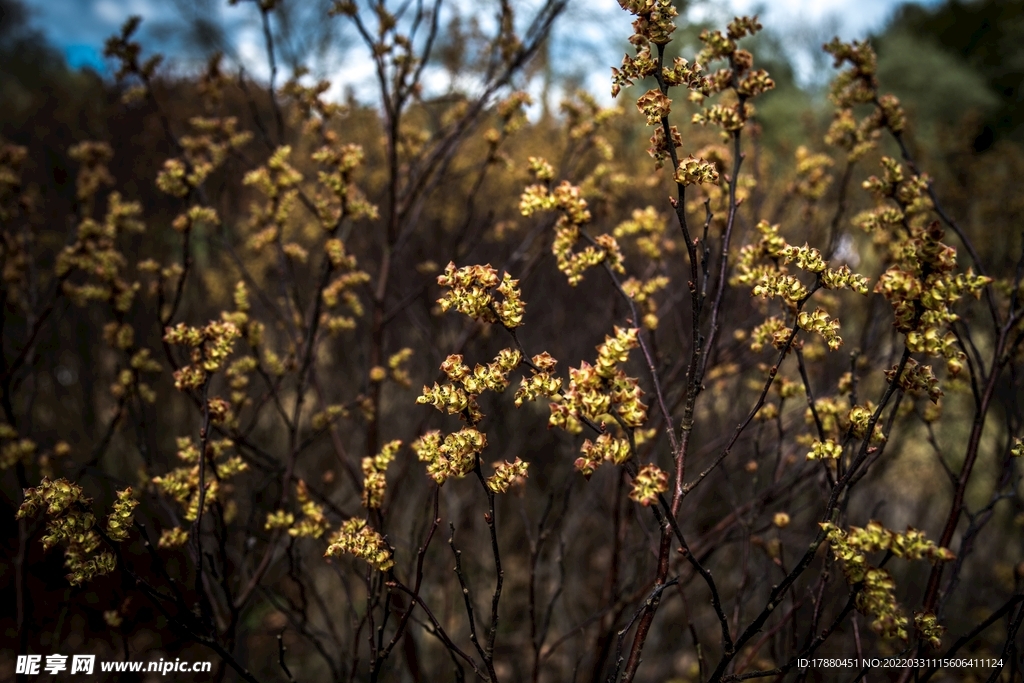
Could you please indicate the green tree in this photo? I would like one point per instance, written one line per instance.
(933, 53)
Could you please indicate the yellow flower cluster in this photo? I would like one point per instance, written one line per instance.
(855, 138)
(643, 294)
(807, 258)
(541, 169)
(653, 26)
(859, 85)
(684, 73)
(540, 382)
(607, 447)
(759, 265)
(238, 378)
(595, 389)
(209, 348)
(927, 625)
(833, 413)
(447, 398)
(695, 172)
(343, 288)
(740, 77)
(120, 519)
(95, 256)
(512, 111)
(374, 469)
(71, 522)
(173, 538)
(453, 456)
(220, 411)
(55, 496)
(471, 292)
(812, 177)
(729, 119)
(452, 399)
(322, 419)
(279, 519)
(313, 523)
(876, 597)
(825, 450)
(204, 152)
(634, 68)
(507, 474)
(922, 285)
(277, 177)
(584, 116)
(655, 105)
(653, 20)
(648, 227)
(182, 483)
(208, 149)
(917, 379)
(171, 178)
(772, 331)
(338, 197)
(648, 483)
(568, 199)
(786, 287)
(842, 278)
(823, 324)
(93, 173)
(859, 418)
(12, 449)
(837, 417)
(312, 109)
(277, 181)
(615, 350)
(355, 538)
(335, 249)
(396, 364)
(901, 202)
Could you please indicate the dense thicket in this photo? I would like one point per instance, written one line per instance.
(716, 393)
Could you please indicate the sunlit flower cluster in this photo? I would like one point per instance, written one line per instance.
(917, 379)
(876, 597)
(507, 474)
(595, 390)
(374, 469)
(459, 395)
(356, 538)
(540, 382)
(71, 522)
(471, 292)
(454, 455)
(649, 482)
(605, 448)
(209, 348)
(568, 200)
(182, 483)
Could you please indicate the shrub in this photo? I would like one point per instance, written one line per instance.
(746, 466)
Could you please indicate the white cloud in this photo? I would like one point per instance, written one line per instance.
(114, 12)
(854, 18)
(108, 11)
(588, 39)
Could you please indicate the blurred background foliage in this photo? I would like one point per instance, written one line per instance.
(957, 66)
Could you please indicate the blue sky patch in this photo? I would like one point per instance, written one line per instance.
(85, 56)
